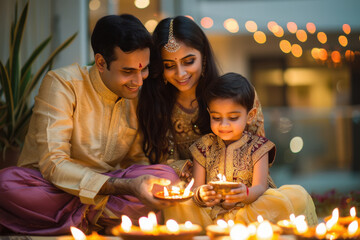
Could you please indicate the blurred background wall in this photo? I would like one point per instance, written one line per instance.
(302, 56)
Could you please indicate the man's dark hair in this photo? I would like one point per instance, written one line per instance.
(232, 86)
(124, 31)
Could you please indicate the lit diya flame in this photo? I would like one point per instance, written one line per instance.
(152, 218)
(260, 219)
(177, 193)
(172, 226)
(221, 177)
(221, 223)
(320, 230)
(126, 223)
(264, 230)
(301, 225)
(146, 225)
(353, 227)
(77, 233)
(333, 220)
(188, 224)
(353, 212)
(239, 232)
(188, 188)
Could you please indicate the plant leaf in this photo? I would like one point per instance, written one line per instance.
(6, 85)
(15, 53)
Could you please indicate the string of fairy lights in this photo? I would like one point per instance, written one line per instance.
(323, 53)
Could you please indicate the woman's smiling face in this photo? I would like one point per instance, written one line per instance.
(182, 68)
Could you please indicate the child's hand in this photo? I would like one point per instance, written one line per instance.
(209, 196)
(239, 194)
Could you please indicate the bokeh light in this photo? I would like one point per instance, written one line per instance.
(310, 27)
(94, 5)
(321, 36)
(231, 25)
(285, 46)
(301, 35)
(296, 50)
(315, 53)
(260, 37)
(278, 31)
(150, 25)
(296, 144)
(271, 24)
(251, 26)
(206, 22)
(349, 55)
(343, 40)
(141, 3)
(336, 57)
(323, 55)
(292, 27)
(346, 28)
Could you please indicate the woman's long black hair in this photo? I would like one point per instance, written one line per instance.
(157, 99)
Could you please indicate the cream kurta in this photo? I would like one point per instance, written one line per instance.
(78, 130)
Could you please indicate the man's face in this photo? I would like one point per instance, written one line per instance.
(126, 74)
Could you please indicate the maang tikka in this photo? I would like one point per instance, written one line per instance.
(171, 45)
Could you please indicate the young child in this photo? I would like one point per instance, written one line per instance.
(243, 158)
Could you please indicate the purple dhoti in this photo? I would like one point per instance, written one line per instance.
(31, 205)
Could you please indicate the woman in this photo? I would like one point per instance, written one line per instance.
(171, 108)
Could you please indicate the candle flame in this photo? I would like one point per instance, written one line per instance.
(221, 177)
(126, 223)
(166, 192)
(333, 220)
(301, 226)
(353, 212)
(239, 232)
(260, 219)
(264, 230)
(77, 233)
(230, 223)
(321, 230)
(252, 229)
(188, 224)
(353, 227)
(172, 226)
(292, 218)
(221, 223)
(187, 189)
(146, 225)
(335, 213)
(175, 190)
(152, 218)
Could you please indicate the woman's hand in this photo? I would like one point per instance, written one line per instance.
(209, 196)
(186, 173)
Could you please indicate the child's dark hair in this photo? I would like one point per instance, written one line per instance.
(232, 86)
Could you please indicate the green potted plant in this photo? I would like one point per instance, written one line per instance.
(16, 85)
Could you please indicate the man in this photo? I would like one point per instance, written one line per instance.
(82, 134)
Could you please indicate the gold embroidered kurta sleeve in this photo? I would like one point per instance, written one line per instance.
(78, 130)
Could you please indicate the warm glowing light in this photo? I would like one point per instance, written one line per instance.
(252, 229)
(126, 223)
(264, 231)
(292, 217)
(346, 28)
(353, 227)
(188, 16)
(188, 188)
(251, 26)
(166, 192)
(142, 3)
(285, 46)
(321, 36)
(152, 218)
(77, 233)
(336, 57)
(315, 53)
(172, 226)
(301, 35)
(206, 22)
(311, 28)
(296, 50)
(175, 190)
(333, 220)
(278, 31)
(323, 55)
(271, 25)
(349, 55)
(353, 212)
(188, 224)
(260, 219)
(145, 224)
(239, 232)
(221, 177)
(94, 5)
(292, 27)
(231, 223)
(231, 25)
(321, 230)
(221, 223)
(260, 37)
(301, 227)
(296, 144)
(343, 40)
(150, 25)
